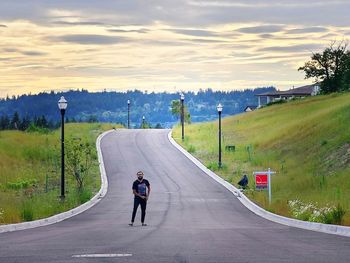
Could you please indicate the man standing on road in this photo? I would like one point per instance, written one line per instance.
(141, 190)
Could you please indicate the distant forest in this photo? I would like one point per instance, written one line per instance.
(84, 106)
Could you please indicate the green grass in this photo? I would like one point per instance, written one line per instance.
(30, 173)
(307, 142)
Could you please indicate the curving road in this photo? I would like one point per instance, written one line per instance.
(190, 218)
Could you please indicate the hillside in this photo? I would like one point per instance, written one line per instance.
(307, 142)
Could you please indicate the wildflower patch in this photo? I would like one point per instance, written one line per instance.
(313, 213)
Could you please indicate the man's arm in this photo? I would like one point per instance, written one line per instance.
(148, 191)
(136, 194)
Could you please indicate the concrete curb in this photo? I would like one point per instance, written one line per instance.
(318, 227)
(68, 214)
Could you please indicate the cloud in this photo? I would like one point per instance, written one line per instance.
(201, 40)
(315, 29)
(27, 53)
(262, 4)
(89, 39)
(261, 29)
(141, 31)
(278, 37)
(291, 48)
(10, 50)
(82, 23)
(33, 53)
(194, 32)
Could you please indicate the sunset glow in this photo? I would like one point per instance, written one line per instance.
(162, 45)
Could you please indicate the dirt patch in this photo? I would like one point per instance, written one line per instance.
(338, 159)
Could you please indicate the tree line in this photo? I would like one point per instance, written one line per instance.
(84, 106)
(26, 123)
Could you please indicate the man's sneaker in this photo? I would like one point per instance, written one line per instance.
(143, 224)
(131, 224)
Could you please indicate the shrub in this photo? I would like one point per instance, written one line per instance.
(22, 184)
(33, 128)
(84, 195)
(191, 149)
(27, 212)
(281, 101)
(1, 215)
(214, 166)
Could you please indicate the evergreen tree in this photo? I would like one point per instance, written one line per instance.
(15, 121)
(4, 122)
(25, 123)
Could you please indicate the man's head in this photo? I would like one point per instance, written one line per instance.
(139, 175)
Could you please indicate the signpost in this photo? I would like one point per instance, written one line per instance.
(263, 181)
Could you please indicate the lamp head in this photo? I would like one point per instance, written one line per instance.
(62, 103)
(219, 107)
(182, 96)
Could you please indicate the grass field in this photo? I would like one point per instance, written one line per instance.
(307, 142)
(30, 173)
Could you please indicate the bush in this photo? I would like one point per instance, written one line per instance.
(214, 166)
(27, 212)
(84, 196)
(191, 149)
(2, 212)
(281, 101)
(33, 128)
(22, 184)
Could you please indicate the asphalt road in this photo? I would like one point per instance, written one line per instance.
(190, 218)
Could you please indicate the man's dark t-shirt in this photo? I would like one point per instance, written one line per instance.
(140, 187)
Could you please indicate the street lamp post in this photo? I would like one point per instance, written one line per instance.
(219, 108)
(143, 122)
(62, 105)
(128, 114)
(182, 98)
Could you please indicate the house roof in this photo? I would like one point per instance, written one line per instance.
(304, 90)
(251, 106)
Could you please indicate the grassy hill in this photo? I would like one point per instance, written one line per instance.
(307, 142)
(30, 172)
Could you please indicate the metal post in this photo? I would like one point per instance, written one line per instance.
(62, 153)
(183, 119)
(128, 114)
(220, 139)
(269, 183)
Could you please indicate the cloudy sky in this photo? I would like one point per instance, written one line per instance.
(159, 45)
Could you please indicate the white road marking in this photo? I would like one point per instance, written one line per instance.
(101, 255)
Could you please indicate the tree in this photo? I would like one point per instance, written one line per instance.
(4, 122)
(92, 119)
(158, 126)
(15, 121)
(346, 79)
(330, 68)
(79, 160)
(24, 123)
(176, 110)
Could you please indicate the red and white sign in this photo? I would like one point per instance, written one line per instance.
(261, 181)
